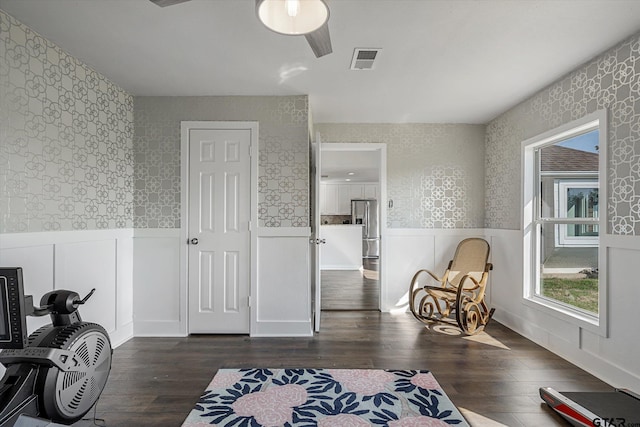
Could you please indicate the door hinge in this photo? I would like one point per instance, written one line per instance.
(250, 150)
(249, 225)
(249, 301)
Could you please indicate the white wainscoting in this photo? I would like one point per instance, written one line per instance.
(281, 300)
(614, 358)
(407, 250)
(158, 299)
(282, 296)
(78, 261)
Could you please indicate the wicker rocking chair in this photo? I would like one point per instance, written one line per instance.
(458, 299)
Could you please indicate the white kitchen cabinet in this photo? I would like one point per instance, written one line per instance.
(335, 199)
(347, 193)
(370, 191)
(329, 199)
(356, 191)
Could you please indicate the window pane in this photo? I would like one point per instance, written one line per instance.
(580, 230)
(569, 274)
(569, 182)
(582, 203)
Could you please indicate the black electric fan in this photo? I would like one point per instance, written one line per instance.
(59, 371)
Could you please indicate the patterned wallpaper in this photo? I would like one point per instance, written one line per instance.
(66, 159)
(435, 172)
(69, 158)
(283, 181)
(611, 81)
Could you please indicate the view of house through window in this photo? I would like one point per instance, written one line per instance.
(567, 221)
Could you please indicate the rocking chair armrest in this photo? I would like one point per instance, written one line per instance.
(478, 284)
(415, 277)
(469, 277)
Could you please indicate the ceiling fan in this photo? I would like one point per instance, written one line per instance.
(291, 17)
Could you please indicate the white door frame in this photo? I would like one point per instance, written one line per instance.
(382, 149)
(316, 236)
(185, 127)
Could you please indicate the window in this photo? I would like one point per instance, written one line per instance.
(562, 220)
(577, 199)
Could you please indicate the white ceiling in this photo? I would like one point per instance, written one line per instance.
(442, 61)
(338, 165)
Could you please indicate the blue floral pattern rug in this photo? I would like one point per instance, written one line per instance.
(324, 397)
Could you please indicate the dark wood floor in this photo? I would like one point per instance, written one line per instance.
(351, 289)
(493, 380)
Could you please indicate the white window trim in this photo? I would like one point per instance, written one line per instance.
(530, 228)
(560, 206)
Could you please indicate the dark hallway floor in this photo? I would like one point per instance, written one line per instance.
(351, 289)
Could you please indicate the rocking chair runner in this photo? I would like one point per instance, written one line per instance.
(459, 297)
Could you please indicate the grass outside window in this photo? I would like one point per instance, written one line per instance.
(578, 292)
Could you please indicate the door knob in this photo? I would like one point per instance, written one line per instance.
(194, 241)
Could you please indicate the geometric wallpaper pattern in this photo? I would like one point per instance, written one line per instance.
(283, 150)
(610, 81)
(66, 159)
(72, 157)
(435, 172)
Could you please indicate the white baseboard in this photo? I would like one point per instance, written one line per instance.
(123, 334)
(283, 329)
(592, 363)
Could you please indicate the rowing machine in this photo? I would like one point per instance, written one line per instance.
(59, 371)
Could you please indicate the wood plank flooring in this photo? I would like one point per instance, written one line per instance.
(493, 380)
(351, 289)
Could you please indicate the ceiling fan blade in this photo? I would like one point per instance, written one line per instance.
(320, 41)
(165, 3)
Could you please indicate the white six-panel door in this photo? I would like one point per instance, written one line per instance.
(219, 230)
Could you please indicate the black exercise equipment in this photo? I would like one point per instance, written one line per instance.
(59, 371)
(616, 408)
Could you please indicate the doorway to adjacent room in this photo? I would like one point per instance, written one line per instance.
(350, 172)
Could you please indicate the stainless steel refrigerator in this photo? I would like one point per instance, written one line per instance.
(366, 212)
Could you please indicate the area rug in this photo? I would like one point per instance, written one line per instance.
(324, 397)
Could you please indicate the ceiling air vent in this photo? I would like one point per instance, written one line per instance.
(363, 59)
(165, 3)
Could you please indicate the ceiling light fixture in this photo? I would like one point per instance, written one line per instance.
(292, 17)
(351, 173)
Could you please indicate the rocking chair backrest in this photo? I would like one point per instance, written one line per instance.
(470, 258)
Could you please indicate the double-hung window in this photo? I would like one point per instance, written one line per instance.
(563, 179)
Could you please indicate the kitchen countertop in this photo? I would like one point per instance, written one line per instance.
(343, 247)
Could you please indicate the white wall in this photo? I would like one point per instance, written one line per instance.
(113, 260)
(78, 261)
(407, 250)
(282, 296)
(156, 274)
(280, 300)
(614, 359)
